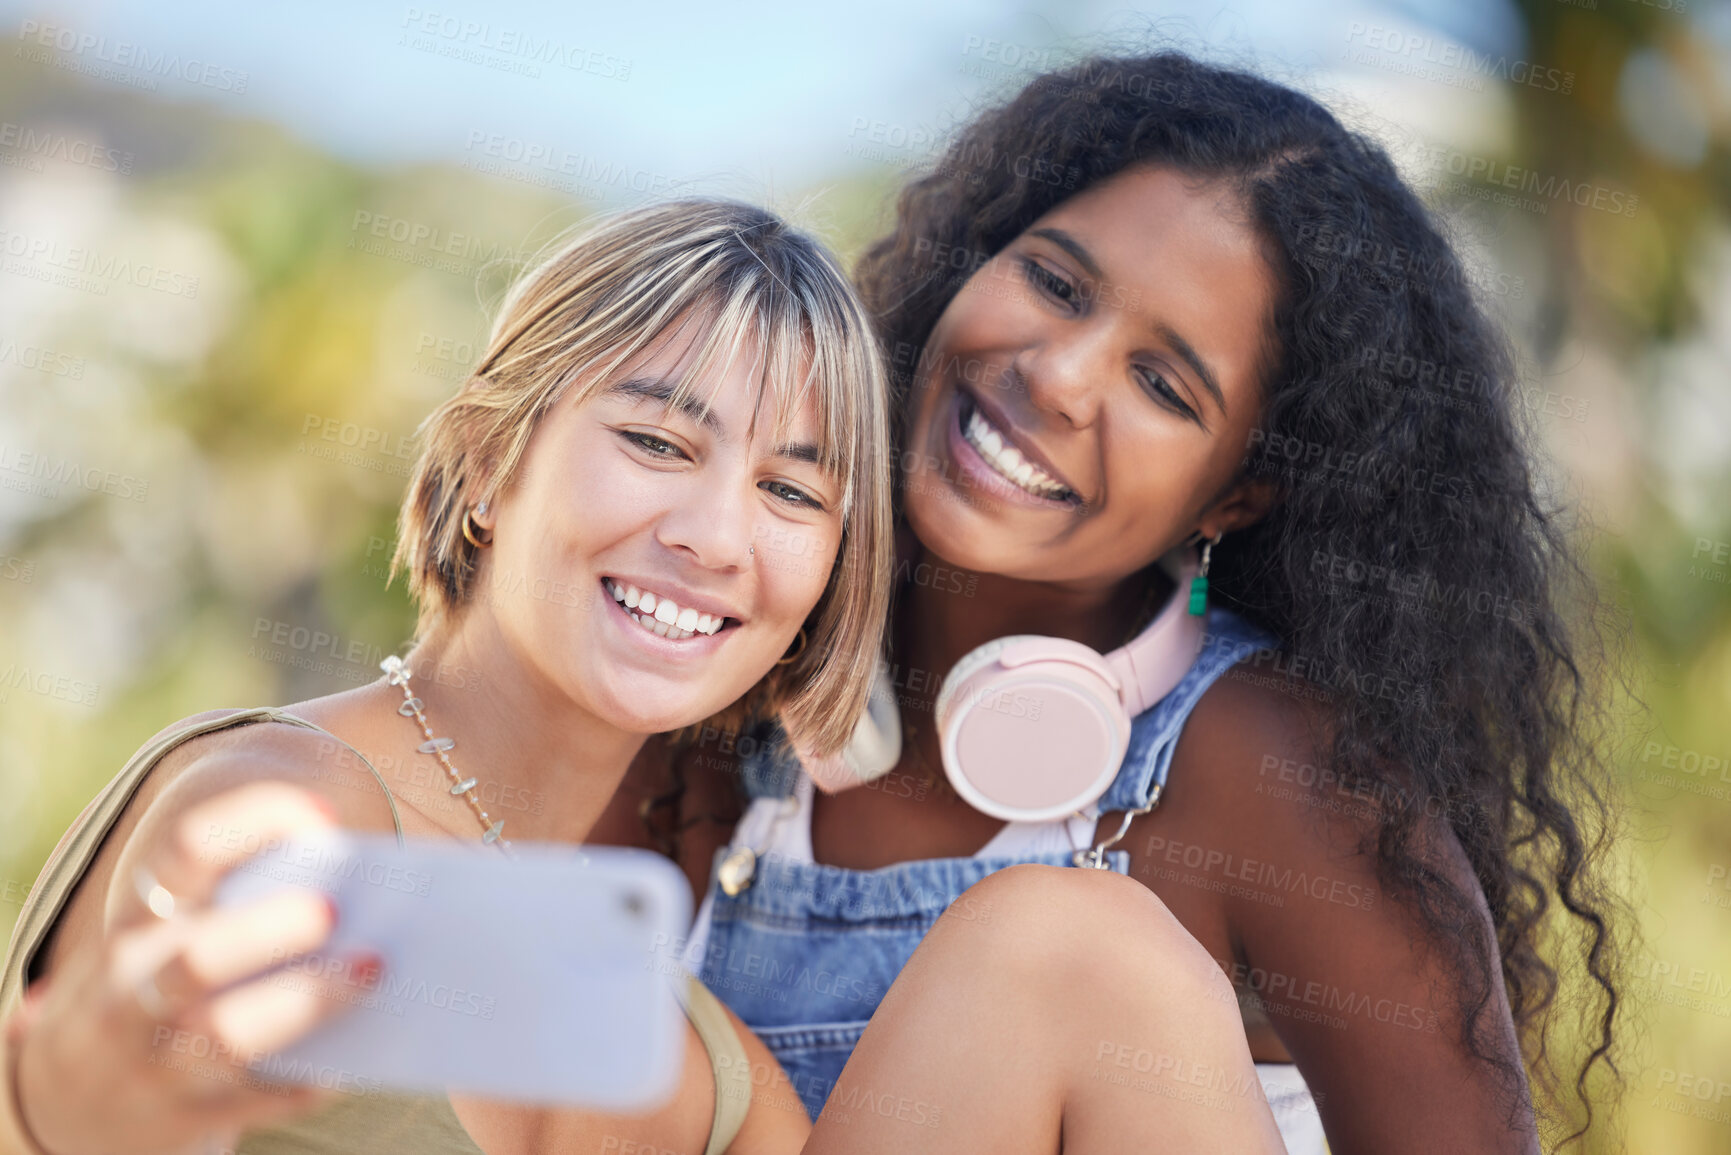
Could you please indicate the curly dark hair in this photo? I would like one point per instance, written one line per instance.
(1410, 563)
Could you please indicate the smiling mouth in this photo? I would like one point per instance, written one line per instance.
(1005, 459)
(663, 616)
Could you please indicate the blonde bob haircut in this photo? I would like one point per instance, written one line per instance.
(727, 279)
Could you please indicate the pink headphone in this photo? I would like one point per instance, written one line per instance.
(1031, 727)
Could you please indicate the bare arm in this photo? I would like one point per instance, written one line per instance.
(1355, 985)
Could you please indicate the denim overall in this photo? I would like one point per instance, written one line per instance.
(805, 953)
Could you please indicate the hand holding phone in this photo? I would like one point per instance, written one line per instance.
(547, 977)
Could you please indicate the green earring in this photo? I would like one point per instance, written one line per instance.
(1199, 584)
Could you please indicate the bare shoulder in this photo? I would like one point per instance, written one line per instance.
(314, 760)
(1288, 845)
(1248, 740)
(1249, 759)
(1262, 752)
(1256, 827)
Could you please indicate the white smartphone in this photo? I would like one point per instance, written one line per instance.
(546, 978)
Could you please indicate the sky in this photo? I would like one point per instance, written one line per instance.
(767, 95)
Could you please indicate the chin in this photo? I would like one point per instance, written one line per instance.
(655, 707)
(633, 719)
(959, 529)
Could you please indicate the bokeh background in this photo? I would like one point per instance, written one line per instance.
(245, 248)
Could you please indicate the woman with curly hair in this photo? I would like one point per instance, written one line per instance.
(1153, 321)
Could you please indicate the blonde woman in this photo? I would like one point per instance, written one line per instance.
(675, 390)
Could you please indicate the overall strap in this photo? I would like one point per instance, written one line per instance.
(1154, 734)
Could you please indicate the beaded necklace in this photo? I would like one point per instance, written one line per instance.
(397, 673)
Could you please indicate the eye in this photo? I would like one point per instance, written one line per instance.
(793, 496)
(1048, 282)
(1163, 391)
(652, 445)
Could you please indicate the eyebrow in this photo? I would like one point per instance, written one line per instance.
(1166, 333)
(1072, 246)
(1200, 367)
(662, 390)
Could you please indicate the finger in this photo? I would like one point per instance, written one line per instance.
(221, 1055)
(133, 995)
(261, 1017)
(221, 947)
(218, 834)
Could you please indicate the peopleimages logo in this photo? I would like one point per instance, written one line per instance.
(43, 475)
(61, 687)
(50, 145)
(91, 48)
(42, 257)
(1426, 50)
(590, 175)
(447, 34)
(40, 359)
(1468, 169)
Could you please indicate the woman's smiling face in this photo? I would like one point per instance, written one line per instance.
(1084, 402)
(655, 560)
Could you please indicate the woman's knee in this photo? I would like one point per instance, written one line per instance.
(1103, 925)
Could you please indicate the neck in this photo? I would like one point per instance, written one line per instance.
(936, 627)
(549, 765)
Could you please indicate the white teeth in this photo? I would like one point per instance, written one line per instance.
(663, 616)
(1007, 460)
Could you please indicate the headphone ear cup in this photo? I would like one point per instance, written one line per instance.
(1031, 728)
(972, 663)
(874, 748)
(876, 745)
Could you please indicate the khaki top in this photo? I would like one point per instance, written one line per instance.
(379, 1124)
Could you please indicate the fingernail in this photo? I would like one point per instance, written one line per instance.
(333, 908)
(365, 972)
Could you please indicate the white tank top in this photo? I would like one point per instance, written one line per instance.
(782, 826)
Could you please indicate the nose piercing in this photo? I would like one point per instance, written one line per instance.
(752, 550)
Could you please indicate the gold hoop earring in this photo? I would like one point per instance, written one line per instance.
(794, 657)
(470, 530)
